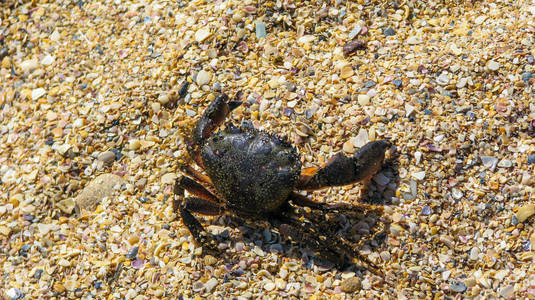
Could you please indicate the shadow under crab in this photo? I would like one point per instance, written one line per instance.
(254, 175)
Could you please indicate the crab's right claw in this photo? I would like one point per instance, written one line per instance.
(214, 115)
(343, 170)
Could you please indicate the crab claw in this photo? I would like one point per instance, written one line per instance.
(214, 115)
(343, 170)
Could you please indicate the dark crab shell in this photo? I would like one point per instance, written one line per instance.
(252, 170)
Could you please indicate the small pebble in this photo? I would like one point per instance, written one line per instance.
(505, 163)
(507, 291)
(280, 284)
(100, 187)
(138, 263)
(348, 147)
(426, 210)
(168, 178)
(474, 253)
(354, 32)
(369, 84)
(385, 256)
(64, 263)
(364, 100)
(132, 253)
(456, 193)
(209, 260)
(29, 65)
(351, 285)
(66, 205)
(346, 72)
(526, 76)
(38, 93)
(158, 293)
(210, 284)
(260, 30)
(413, 40)
(480, 19)
(353, 47)
(458, 287)
(14, 293)
(525, 212)
(366, 284)
(182, 92)
(59, 288)
(203, 77)
(202, 34)
(134, 144)
(409, 109)
(489, 162)
(493, 66)
(419, 175)
(269, 286)
(361, 139)
(217, 86)
(531, 159)
(389, 32)
(106, 157)
(443, 79)
(164, 98)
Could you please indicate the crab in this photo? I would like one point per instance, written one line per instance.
(255, 175)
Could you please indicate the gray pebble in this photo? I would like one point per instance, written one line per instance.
(389, 32)
(527, 76)
(291, 87)
(107, 157)
(458, 287)
(355, 32)
(132, 254)
(260, 29)
(369, 84)
(505, 163)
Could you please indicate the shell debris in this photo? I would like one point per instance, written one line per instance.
(108, 88)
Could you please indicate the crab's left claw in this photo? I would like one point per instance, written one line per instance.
(343, 170)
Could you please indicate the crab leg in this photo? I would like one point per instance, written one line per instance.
(206, 240)
(190, 171)
(188, 184)
(213, 116)
(205, 204)
(303, 201)
(315, 225)
(343, 170)
(299, 233)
